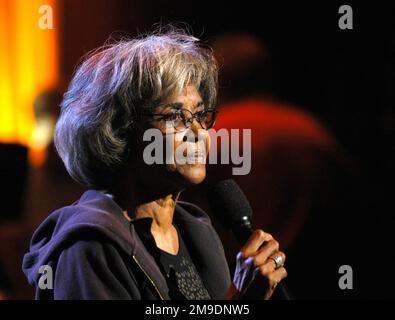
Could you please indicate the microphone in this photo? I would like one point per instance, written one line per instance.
(234, 211)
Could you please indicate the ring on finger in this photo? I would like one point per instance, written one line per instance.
(278, 260)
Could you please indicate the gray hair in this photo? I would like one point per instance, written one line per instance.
(113, 85)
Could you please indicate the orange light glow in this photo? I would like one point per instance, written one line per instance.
(28, 65)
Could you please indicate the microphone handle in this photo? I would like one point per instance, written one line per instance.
(242, 233)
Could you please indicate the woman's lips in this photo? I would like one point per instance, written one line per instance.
(196, 158)
(195, 154)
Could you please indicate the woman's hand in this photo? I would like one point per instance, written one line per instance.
(257, 275)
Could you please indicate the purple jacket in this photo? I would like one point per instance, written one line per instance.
(95, 253)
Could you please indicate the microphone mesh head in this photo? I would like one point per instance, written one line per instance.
(228, 202)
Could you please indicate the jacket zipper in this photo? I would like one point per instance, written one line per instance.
(152, 282)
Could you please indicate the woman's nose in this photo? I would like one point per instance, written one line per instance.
(194, 129)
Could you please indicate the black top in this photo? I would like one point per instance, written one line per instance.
(179, 270)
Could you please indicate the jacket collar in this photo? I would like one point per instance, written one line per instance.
(197, 232)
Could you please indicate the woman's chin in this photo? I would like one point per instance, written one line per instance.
(193, 174)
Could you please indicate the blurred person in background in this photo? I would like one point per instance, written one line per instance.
(35, 189)
(297, 166)
(48, 185)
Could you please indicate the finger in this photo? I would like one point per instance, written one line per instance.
(267, 268)
(269, 249)
(254, 242)
(261, 283)
(269, 265)
(278, 275)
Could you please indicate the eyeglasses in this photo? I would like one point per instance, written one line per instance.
(182, 119)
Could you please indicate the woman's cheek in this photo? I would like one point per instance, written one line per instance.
(208, 145)
(171, 167)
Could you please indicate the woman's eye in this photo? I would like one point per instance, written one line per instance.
(170, 116)
(202, 114)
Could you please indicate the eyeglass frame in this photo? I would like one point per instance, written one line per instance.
(185, 120)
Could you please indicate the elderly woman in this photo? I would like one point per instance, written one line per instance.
(128, 236)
